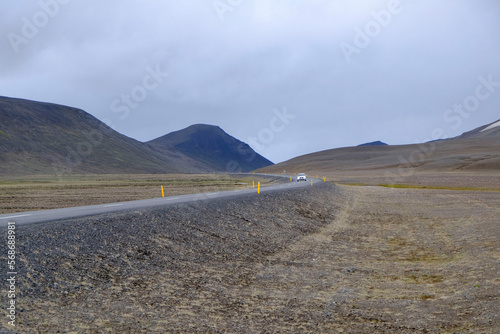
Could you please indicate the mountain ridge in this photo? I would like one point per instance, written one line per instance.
(374, 143)
(47, 138)
(488, 130)
(477, 149)
(202, 140)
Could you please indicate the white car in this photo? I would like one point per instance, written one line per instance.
(301, 177)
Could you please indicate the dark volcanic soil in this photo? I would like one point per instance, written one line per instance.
(182, 268)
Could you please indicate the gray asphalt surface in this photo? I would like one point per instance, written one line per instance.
(34, 217)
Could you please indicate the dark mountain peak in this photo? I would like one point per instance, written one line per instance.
(375, 143)
(203, 127)
(214, 147)
(193, 132)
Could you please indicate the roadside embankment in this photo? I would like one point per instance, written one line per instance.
(176, 268)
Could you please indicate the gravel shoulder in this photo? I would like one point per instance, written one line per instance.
(322, 259)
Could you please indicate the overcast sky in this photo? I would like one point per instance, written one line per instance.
(289, 77)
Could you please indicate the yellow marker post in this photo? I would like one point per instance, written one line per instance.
(258, 188)
(162, 192)
(290, 179)
(324, 179)
(253, 184)
(311, 182)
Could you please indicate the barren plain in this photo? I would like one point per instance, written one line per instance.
(322, 259)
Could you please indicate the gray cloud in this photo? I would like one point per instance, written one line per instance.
(409, 68)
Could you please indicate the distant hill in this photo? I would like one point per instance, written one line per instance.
(375, 143)
(45, 138)
(478, 149)
(212, 146)
(491, 131)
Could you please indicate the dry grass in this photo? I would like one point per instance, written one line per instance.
(399, 260)
(48, 192)
(412, 186)
(469, 181)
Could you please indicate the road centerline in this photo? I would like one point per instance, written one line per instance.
(111, 205)
(10, 217)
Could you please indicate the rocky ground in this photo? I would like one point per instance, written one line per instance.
(323, 259)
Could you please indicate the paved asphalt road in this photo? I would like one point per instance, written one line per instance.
(33, 217)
